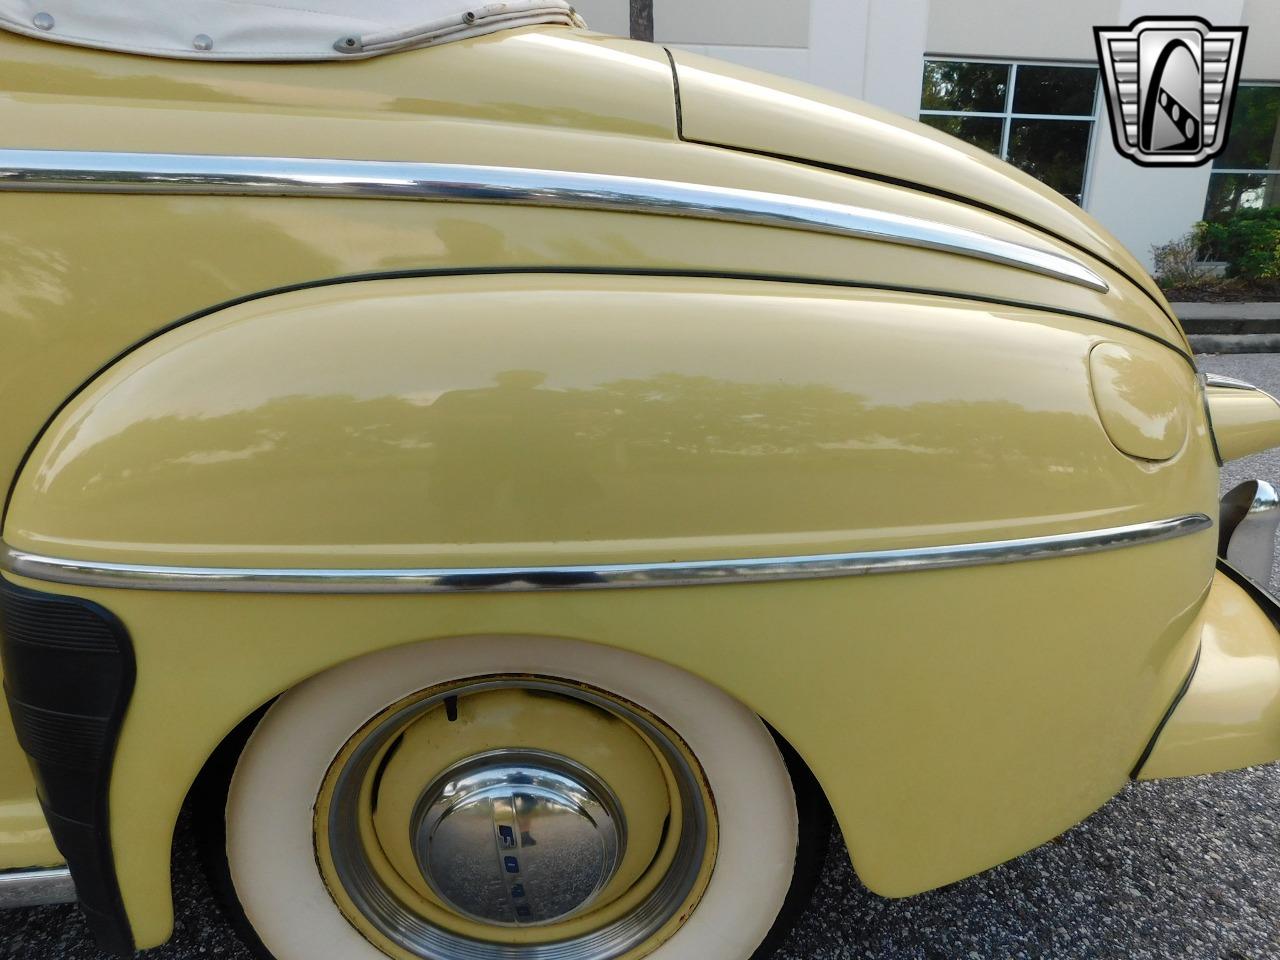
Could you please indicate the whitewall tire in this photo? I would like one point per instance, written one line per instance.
(272, 819)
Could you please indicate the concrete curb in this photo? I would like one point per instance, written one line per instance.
(1231, 327)
(1237, 310)
(1235, 343)
(1229, 318)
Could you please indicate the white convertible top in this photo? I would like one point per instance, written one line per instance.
(271, 29)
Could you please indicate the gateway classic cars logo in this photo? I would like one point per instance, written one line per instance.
(1171, 83)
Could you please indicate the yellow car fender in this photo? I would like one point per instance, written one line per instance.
(955, 716)
(1228, 716)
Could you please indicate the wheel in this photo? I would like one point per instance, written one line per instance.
(581, 804)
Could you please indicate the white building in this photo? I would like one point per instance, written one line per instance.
(907, 55)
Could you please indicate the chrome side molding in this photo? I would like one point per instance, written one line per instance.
(1250, 516)
(89, 573)
(73, 171)
(1226, 383)
(36, 888)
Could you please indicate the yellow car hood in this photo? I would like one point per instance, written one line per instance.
(729, 106)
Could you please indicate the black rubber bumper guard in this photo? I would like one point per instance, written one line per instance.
(68, 677)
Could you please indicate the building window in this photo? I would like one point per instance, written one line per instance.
(1246, 176)
(1039, 117)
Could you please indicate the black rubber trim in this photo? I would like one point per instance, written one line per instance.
(567, 271)
(68, 676)
(1208, 419)
(1164, 721)
(675, 80)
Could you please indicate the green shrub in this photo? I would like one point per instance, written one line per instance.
(1178, 265)
(1249, 242)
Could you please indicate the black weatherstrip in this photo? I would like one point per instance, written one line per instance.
(675, 79)
(574, 271)
(1164, 721)
(68, 677)
(1208, 419)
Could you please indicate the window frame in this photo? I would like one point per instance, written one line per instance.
(1246, 171)
(1242, 171)
(1008, 116)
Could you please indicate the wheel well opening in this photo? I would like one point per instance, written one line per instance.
(200, 840)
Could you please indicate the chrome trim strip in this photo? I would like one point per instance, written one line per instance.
(73, 171)
(88, 573)
(1227, 383)
(1231, 383)
(36, 888)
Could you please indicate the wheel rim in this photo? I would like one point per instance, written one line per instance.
(522, 850)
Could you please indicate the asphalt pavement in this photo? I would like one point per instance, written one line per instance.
(1186, 869)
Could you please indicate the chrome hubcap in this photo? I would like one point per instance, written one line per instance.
(533, 849)
(518, 838)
